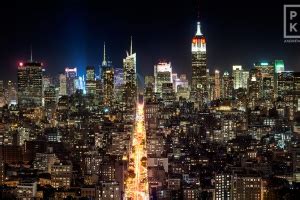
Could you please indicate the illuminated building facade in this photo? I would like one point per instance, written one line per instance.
(162, 74)
(181, 86)
(62, 85)
(90, 82)
(50, 98)
(46, 82)
(285, 83)
(61, 175)
(227, 86)
(167, 93)
(222, 186)
(250, 187)
(71, 76)
(118, 84)
(80, 84)
(44, 161)
(214, 85)
(11, 94)
(108, 191)
(26, 190)
(199, 85)
(149, 88)
(107, 76)
(30, 84)
(240, 77)
(253, 90)
(279, 66)
(217, 81)
(265, 76)
(130, 84)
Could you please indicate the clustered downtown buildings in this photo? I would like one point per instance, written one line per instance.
(221, 135)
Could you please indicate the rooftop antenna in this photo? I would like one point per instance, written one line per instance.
(198, 11)
(131, 45)
(30, 53)
(104, 53)
(198, 20)
(104, 63)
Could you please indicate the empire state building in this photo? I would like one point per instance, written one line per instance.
(199, 84)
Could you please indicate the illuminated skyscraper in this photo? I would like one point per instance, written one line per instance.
(30, 84)
(149, 81)
(245, 79)
(227, 86)
(285, 83)
(237, 76)
(162, 74)
(279, 66)
(253, 91)
(118, 84)
(80, 83)
(50, 97)
(46, 82)
(107, 75)
(167, 93)
(62, 85)
(265, 76)
(181, 86)
(11, 95)
(210, 85)
(217, 91)
(149, 88)
(130, 83)
(223, 186)
(90, 73)
(199, 91)
(71, 75)
(90, 82)
(240, 77)
(285, 92)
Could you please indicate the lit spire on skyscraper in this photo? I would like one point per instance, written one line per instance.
(131, 45)
(104, 62)
(198, 33)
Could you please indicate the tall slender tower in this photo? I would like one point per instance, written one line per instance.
(199, 93)
(130, 83)
(217, 92)
(107, 76)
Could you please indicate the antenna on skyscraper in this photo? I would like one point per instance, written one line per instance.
(31, 53)
(130, 45)
(198, 11)
(104, 62)
(198, 20)
(104, 53)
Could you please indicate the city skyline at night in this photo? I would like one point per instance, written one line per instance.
(154, 100)
(73, 37)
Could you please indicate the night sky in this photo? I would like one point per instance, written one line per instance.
(71, 33)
